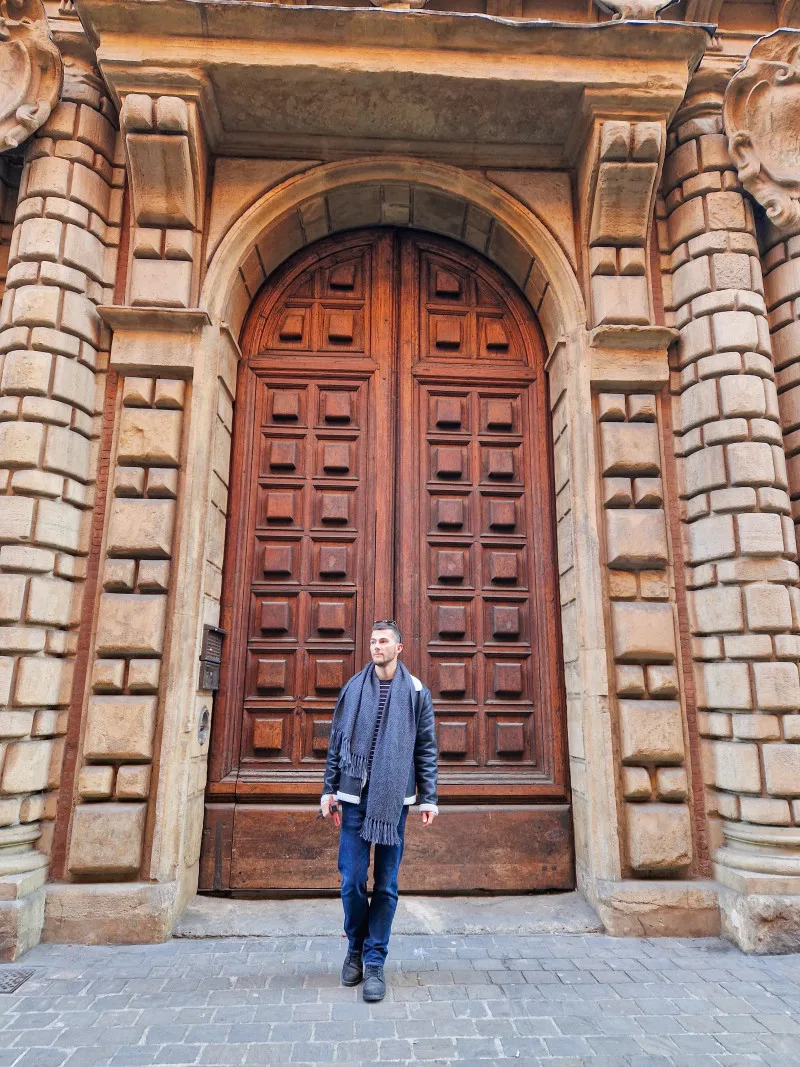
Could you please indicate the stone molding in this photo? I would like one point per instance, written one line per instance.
(32, 71)
(762, 103)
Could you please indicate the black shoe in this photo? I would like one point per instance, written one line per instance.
(352, 968)
(374, 982)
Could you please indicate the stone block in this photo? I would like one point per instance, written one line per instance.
(695, 340)
(710, 538)
(154, 576)
(74, 383)
(662, 681)
(120, 728)
(42, 680)
(21, 921)
(15, 723)
(630, 449)
(150, 438)
(765, 811)
(20, 444)
(791, 727)
(643, 633)
(131, 623)
(750, 463)
(620, 299)
(636, 783)
(50, 601)
(79, 317)
(161, 283)
(704, 470)
(636, 540)
(686, 221)
(107, 839)
(777, 686)
(630, 681)
(119, 575)
(58, 525)
(735, 331)
(659, 837)
(133, 782)
(736, 766)
(141, 528)
(16, 519)
(782, 769)
(691, 280)
(760, 535)
(769, 608)
(651, 731)
(96, 783)
(12, 596)
(671, 783)
(83, 251)
(742, 395)
(699, 404)
(108, 675)
(724, 685)
(716, 609)
(26, 373)
(143, 675)
(26, 768)
(726, 211)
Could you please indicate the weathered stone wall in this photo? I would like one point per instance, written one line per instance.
(62, 264)
(739, 545)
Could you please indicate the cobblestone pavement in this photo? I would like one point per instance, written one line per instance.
(557, 1001)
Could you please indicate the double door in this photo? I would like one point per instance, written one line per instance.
(390, 461)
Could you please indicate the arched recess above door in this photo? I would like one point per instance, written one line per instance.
(394, 191)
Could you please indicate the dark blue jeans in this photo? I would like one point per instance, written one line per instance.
(368, 924)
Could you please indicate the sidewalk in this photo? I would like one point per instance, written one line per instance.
(480, 999)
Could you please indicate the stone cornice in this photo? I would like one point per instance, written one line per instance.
(471, 89)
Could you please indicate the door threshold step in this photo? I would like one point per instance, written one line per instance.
(551, 913)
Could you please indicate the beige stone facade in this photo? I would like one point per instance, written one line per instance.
(637, 180)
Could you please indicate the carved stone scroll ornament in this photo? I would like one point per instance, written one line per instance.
(30, 71)
(643, 10)
(761, 112)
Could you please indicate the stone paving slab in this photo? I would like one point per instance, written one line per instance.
(543, 913)
(559, 1001)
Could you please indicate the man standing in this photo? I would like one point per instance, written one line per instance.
(381, 758)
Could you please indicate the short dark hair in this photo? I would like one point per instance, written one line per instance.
(388, 624)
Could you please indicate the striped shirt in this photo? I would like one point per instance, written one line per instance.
(382, 701)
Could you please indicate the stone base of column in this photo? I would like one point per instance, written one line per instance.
(109, 913)
(21, 922)
(760, 912)
(658, 908)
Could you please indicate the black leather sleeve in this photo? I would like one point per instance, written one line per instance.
(330, 782)
(425, 768)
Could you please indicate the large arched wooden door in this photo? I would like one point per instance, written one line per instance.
(391, 458)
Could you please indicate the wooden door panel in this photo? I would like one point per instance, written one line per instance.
(368, 347)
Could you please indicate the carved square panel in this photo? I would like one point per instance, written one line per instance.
(451, 675)
(282, 456)
(334, 509)
(500, 464)
(507, 679)
(282, 507)
(270, 674)
(320, 736)
(333, 561)
(286, 406)
(276, 617)
(331, 618)
(336, 459)
(345, 278)
(315, 730)
(450, 513)
(455, 736)
(452, 565)
(494, 337)
(450, 462)
(339, 406)
(447, 284)
(505, 621)
(499, 414)
(450, 621)
(448, 412)
(502, 515)
(268, 734)
(509, 738)
(293, 328)
(504, 567)
(447, 333)
(278, 561)
(326, 672)
(343, 329)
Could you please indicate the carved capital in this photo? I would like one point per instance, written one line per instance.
(30, 71)
(761, 113)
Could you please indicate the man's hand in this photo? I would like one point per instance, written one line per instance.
(329, 807)
(428, 817)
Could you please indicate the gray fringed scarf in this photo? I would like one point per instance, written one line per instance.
(351, 742)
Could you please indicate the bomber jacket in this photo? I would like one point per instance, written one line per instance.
(422, 773)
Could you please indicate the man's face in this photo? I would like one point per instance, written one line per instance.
(383, 647)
